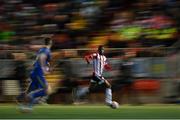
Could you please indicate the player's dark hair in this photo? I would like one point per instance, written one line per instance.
(100, 47)
(47, 41)
(101, 50)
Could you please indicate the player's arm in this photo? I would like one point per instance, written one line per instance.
(107, 66)
(35, 60)
(42, 60)
(48, 65)
(88, 58)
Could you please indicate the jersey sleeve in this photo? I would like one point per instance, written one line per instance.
(107, 66)
(105, 61)
(89, 57)
(93, 55)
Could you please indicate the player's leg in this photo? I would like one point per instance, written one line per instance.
(32, 85)
(36, 91)
(108, 92)
(95, 82)
(40, 92)
(22, 97)
(99, 80)
(81, 92)
(25, 105)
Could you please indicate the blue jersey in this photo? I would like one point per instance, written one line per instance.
(37, 65)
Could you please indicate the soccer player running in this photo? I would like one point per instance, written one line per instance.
(99, 63)
(38, 87)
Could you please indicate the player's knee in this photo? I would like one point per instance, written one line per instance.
(108, 85)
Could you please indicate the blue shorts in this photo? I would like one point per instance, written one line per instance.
(38, 81)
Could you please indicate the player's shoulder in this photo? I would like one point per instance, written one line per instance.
(94, 54)
(44, 50)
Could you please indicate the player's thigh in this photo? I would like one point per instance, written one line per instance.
(107, 84)
(42, 83)
(33, 84)
(104, 82)
(98, 79)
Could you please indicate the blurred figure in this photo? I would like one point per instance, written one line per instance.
(70, 80)
(99, 63)
(38, 87)
(126, 78)
(21, 70)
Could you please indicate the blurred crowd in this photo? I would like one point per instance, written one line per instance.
(135, 24)
(88, 23)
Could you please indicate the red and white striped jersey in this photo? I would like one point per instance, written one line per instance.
(99, 62)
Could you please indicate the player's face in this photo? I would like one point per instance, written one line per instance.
(101, 51)
(50, 44)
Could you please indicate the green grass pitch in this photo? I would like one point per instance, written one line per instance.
(93, 112)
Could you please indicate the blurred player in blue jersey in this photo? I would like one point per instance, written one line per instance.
(38, 87)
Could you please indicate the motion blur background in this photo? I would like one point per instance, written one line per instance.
(141, 38)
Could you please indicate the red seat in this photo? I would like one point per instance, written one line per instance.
(146, 85)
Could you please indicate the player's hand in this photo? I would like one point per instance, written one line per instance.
(50, 69)
(46, 70)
